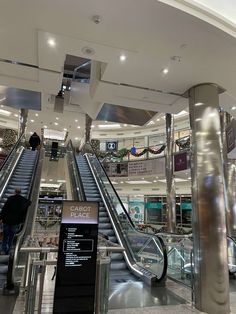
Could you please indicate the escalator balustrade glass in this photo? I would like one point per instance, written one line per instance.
(144, 254)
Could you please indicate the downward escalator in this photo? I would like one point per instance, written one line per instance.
(145, 255)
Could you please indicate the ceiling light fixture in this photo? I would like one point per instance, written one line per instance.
(109, 126)
(76, 120)
(51, 42)
(4, 98)
(45, 126)
(76, 138)
(36, 114)
(32, 120)
(122, 58)
(78, 127)
(92, 126)
(65, 129)
(233, 108)
(57, 118)
(165, 71)
(5, 112)
(16, 115)
(55, 123)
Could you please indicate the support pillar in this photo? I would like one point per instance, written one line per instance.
(230, 182)
(23, 121)
(211, 280)
(88, 123)
(170, 184)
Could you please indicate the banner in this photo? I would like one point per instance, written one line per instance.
(181, 161)
(147, 167)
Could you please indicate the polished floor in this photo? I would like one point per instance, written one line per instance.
(129, 298)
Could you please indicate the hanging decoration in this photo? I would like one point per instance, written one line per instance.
(183, 142)
(124, 152)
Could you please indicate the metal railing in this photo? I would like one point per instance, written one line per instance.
(137, 244)
(38, 262)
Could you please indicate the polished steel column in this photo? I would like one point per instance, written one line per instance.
(211, 281)
(170, 184)
(23, 121)
(230, 178)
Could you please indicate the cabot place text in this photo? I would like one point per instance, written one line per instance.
(80, 211)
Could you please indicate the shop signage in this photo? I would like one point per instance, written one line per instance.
(111, 146)
(77, 253)
(147, 167)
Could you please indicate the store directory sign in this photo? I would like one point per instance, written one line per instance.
(77, 253)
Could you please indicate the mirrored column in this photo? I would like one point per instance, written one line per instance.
(170, 183)
(211, 282)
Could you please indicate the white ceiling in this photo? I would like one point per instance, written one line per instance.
(149, 33)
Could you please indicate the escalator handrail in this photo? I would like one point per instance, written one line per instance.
(82, 197)
(17, 238)
(11, 151)
(123, 207)
(161, 242)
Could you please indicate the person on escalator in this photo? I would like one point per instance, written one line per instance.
(13, 216)
(34, 141)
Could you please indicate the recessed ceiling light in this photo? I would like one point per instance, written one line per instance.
(57, 118)
(158, 119)
(2, 106)
(233, 108)
(15, 115)
(121, 182)
(76, 120)
(5, 112)
(125, 124)
(138, 182)
(165, 70)
(31, 120)
(189, 178)
(4, 98)
(36, 114)
(55, 123)
(65, 129)
(109, 126)
(154, 180)
(78, 127)
(45, 127)
(92, 126)
(51, 42)
(76, 138)
(50, 180)
(122, 58)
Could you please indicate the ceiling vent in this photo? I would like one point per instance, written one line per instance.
(120, 134)
(137, 132)
(155, 130)
(136, 189)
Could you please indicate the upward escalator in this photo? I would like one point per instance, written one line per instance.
(18, 173)
(144, 255)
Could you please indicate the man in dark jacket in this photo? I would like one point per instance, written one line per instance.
(34, 140)
(12, 216)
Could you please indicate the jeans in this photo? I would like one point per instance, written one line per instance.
(8, 234)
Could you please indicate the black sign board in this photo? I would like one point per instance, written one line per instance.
(111, 146)
(77, 254)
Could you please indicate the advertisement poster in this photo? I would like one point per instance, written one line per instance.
(181, 161)
(136, 209)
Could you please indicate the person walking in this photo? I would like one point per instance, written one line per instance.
(12, 216)
(34, 140)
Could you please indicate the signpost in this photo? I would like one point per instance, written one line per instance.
(76, 264)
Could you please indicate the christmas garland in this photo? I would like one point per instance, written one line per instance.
(124, 152)
(183, 143)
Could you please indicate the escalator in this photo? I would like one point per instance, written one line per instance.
(118, 264)
(19, 172)
(145, 256)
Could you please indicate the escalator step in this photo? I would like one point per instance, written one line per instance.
(118, 265)
(117, 256)
(3, 268)
(104, 225)
(107, 232)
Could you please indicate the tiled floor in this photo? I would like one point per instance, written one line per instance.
(177, 292)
